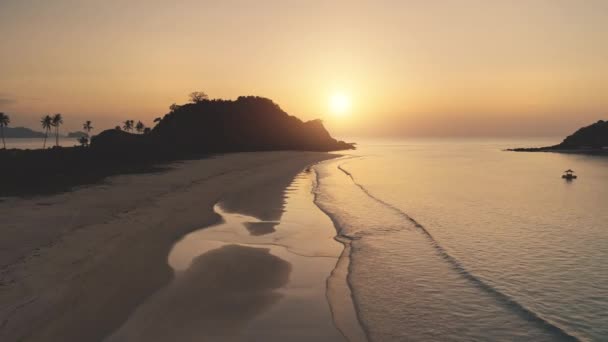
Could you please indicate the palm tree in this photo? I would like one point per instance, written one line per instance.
(87, 127)
(47, 123)
(56, 122)
(84, 141)
(127, 125)
(4, 121)
(140, 127)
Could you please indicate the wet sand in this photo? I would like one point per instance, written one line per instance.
(235, 284)
(77, 266)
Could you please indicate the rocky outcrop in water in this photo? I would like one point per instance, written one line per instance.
(592, 136)
(589, 139)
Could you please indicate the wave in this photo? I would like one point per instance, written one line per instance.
(346, 241)
(508, 301)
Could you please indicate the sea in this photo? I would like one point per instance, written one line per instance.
(458, 239)
(37, 143)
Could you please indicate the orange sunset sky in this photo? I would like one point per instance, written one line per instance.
(406, 68)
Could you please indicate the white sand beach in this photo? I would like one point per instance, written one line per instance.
(101, 262)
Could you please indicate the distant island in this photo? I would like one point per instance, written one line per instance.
(592, 139)
(197, 129)
(77, 134)
(21, 132)
(27, 133)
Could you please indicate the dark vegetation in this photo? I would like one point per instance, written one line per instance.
(193, 130)
(34, 172)
(592, 139)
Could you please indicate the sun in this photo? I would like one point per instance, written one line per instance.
(339, 104)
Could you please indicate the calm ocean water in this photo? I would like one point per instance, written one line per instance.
(36, 143)
(458, 240)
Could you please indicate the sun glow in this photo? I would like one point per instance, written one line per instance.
(339, 104)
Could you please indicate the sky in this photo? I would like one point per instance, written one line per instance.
(408, 68)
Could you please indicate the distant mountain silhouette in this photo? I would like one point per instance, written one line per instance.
(592, 138)
(246, 124)
(21, 132)
(76, 134)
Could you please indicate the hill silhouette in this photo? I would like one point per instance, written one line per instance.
(249, 123)
(21, 132)
(588, 139)
(192, 130)
(592, 136)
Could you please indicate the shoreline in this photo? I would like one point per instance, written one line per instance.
(106, 243)
(346, 241)
(360, 332)
(304, 296)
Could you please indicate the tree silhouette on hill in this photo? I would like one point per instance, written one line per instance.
(197, 97)
(139, 127)
(128, 125)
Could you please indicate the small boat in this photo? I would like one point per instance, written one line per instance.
(569, 175)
